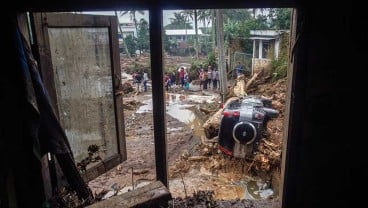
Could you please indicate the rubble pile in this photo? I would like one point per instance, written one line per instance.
(265, 162)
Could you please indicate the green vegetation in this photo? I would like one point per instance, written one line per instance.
(143, 36)
(131, 43)
(180, 21)
(280, 65)
(237, 26)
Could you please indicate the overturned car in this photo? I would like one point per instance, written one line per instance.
(243, 124)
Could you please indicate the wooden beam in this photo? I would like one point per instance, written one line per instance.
(152, 195)
(158, 100)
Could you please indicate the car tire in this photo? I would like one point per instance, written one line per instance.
(244, 132)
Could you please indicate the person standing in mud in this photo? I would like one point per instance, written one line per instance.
(173, 79)
(201, 77)
(209, 76)
(145, 80)
(215, 78)
(137, 76)
(186, 80)
(167, 81)
(205, 79)
(181, 76)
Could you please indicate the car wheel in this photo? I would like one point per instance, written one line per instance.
(244, 132)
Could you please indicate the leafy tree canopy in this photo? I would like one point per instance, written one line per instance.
(143, 35)
(179, 21)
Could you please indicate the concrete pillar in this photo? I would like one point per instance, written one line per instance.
(260, 47)
(277, 47)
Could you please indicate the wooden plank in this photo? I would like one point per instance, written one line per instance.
(118, 98)
(152, 195)
(76, 20)
(101, 168)
(45, 63)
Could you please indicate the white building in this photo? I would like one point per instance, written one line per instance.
(266, 45)
(127, 28)
(180, 36)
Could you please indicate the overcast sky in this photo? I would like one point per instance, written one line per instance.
(126, 18)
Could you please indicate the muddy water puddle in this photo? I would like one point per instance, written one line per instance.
(226, 186)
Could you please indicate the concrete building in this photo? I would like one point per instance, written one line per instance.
(180, 36)
(266, 46)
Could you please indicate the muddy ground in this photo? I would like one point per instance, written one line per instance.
(199, 173)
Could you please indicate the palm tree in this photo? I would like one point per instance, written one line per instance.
(204, 16)
(187, 14)
(121, 32)
(178, 22)
(196, 31)
(133, 17)
(213, 16)
(193, 15)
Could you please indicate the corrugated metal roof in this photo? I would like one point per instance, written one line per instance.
(182, 32)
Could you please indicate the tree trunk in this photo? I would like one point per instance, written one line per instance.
(212, 125)
(221, 54)
(213, 31)
(255, 75)
(196, 33)
(136, 30)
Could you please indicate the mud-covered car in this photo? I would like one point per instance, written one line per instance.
(243, 124)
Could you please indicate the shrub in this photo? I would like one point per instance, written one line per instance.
(280, 65)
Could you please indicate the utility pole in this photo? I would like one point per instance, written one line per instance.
(122, 37)
(221, 54)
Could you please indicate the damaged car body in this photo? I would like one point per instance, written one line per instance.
(243, 124)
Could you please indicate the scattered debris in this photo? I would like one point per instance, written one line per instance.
(92, 157)
(204, 155)
(66, 198)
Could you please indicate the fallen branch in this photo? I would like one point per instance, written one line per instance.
(185, 189)
(250, 166)
(139, 172)
(206, 111)
(212, 125)
(132, 178)
(197, 158)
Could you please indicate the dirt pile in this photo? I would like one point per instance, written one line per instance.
(187, 152)
(265, 163)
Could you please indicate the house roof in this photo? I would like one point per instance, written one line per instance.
(182, 32)
(266, 34)
(261, 38)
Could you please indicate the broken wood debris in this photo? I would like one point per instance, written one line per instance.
(152, 195)
(91, 158)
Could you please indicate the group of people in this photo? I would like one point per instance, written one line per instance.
(170, 79)
(209, 76)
